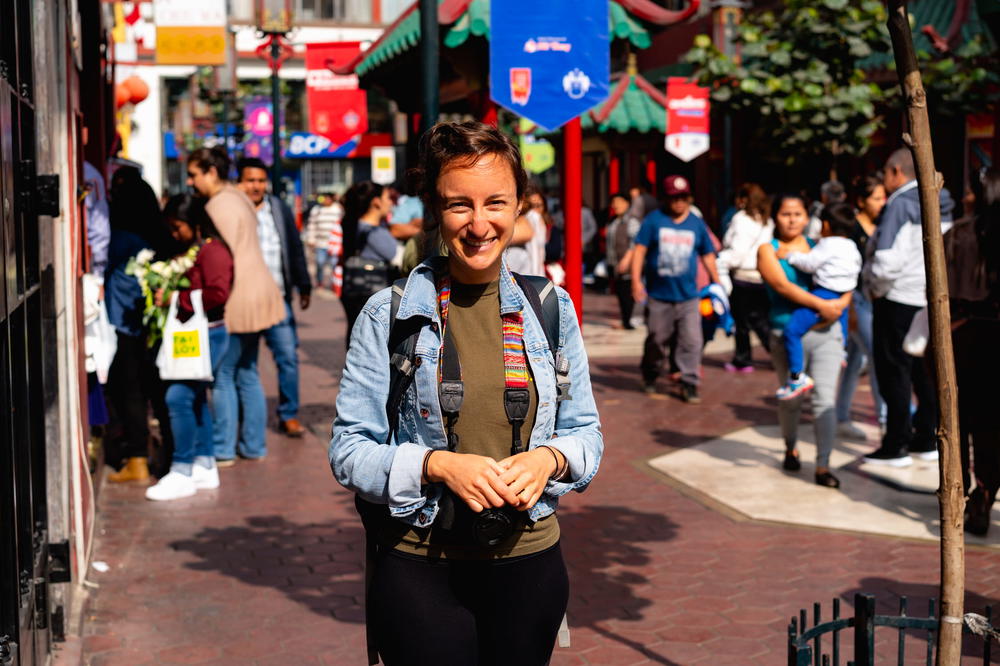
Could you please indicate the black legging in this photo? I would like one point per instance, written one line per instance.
(750, 307)
(134, 383)
(623, 290)
(467, 613)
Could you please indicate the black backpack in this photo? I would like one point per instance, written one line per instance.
(402, 342)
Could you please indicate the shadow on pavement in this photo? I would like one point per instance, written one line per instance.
(602, 545)
(318, 565)
(326, 354)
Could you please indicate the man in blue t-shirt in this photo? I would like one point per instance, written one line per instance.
(668, 246)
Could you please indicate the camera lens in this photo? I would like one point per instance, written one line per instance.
(491, 527)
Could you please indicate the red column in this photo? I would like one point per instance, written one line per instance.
(572, 206)
(651, 176)
(614, 174)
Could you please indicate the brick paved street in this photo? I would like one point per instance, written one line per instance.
(267, 570)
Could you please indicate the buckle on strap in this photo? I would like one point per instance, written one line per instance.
(563, 382)
(405, 366)
(451, 393)
(516, 402)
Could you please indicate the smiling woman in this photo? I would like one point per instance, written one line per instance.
(459, 510)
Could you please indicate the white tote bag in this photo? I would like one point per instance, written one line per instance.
(184, 353)
(99, 338)
(915, 342)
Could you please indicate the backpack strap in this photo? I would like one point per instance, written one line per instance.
(544, 300)
(402, 344)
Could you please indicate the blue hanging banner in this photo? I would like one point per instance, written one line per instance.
(549, 60)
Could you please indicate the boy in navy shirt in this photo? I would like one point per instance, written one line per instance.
(665, 266)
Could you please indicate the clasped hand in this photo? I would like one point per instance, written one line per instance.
(481, 481)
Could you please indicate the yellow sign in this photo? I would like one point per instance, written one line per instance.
(187, 345)
(191, 45)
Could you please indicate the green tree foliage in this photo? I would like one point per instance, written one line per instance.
(799, 74)
(965, 80)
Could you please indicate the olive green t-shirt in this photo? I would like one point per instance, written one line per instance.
(482, 427)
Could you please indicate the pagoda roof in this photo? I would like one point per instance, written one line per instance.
(634, 105)
(936, 28)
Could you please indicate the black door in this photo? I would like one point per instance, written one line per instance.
(24, 614)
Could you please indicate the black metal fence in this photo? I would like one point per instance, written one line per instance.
(807, 647)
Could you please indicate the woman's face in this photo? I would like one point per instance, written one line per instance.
(872, 205)
(791, 219)
(181, 231)
(204, 182)
(382, 204)
(536, 202)
(479, 206)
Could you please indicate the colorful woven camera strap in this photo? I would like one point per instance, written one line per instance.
(515, 366)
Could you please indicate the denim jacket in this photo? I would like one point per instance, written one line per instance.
(390, 472)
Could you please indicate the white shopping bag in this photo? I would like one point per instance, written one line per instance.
(100, 342)
(915, 342)
(184, 353)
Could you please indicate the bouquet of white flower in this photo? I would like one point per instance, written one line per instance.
(154, 276)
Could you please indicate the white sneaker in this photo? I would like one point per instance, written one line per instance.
(848, 430)
(173, 486)
(204, 478)
(929, 456)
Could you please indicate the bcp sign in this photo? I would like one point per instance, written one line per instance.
(687, 119)
(549, 61)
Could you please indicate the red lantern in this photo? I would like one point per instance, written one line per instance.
(122, 95)
(137, 88)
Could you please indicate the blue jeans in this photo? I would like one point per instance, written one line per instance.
(238, 392)
(190, 412)
(324, 260)
(859, 352)
(283, 341)
(801, 321)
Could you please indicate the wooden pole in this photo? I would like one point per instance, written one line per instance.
(950, 492)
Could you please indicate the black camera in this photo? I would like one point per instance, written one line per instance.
(491, 527)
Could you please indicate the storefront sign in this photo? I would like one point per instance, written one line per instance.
(687, 119)
(549, 61)
(384, 165)
(258, 122)
(303, 145)
(190, 32)
(537, 153)
(338, 109)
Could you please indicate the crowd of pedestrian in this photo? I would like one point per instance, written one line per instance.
(242, 262)
(831, 289)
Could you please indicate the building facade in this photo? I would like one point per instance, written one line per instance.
(50, 51)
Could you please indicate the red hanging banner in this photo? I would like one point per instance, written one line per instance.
(338, 108)
(687, 118)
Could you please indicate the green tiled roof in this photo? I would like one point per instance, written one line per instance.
(636, 111)
(640, 108)
(476, 22)
(403, 37)
(935, 13)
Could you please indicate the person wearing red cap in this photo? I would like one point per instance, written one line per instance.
(664, 269)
